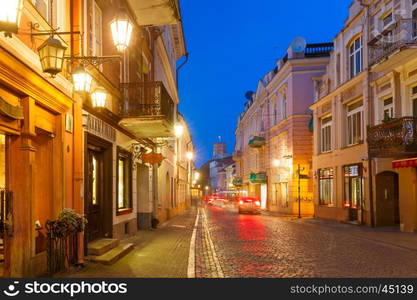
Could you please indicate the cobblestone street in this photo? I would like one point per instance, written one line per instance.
(227, 244)
(267, 246)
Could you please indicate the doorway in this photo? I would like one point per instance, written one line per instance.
(98, 189)
(5, 198)
(144, 217)
(387, 199)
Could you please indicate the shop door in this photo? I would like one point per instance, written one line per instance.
(94, 200)
(387, 199)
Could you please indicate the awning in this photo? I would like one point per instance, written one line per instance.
(404, 163)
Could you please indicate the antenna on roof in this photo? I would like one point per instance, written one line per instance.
(220, 139)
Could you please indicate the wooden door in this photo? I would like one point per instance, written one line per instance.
(94, 203)
(387, 199)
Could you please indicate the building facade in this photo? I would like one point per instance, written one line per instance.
(62, 148)
(341, 171)
(273, 138)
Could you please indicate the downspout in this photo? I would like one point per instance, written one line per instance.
(370, 117)
(180, 66)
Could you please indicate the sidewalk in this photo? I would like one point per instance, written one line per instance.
(160, 253)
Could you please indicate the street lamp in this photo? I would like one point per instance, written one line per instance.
(121, 29)
(276, 162)
(10, 16)
(51, 54)
(178, 130)
(190, 156)
(98, 97)
(196, 175)
(82, 80)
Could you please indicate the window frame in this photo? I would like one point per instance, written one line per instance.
(127, 178)
(97, 51)
(326, 177)
(350, 132)
(390, 107)
(353, 59)
(347, 203)
(326, 126)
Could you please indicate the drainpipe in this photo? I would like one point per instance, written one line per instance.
(370, 117)
(180, 66)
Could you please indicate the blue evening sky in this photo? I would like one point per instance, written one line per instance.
(233, 44)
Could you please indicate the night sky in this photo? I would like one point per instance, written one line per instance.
(233, 44)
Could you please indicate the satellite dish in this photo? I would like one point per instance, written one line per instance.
(298, 45)
(249, 95)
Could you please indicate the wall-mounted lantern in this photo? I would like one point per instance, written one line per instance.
(121, 29)
(10, 13)
(82, 80)
(98, 97)
(51, 55)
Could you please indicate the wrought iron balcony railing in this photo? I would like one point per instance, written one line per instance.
(147, 100)
(400, 35)
(397, 137)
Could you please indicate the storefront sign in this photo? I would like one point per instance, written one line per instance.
(405, 163)
(152, 158)
(100, 128)
(258, 177)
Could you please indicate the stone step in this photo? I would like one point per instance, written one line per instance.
(113, 255)
(101, 246)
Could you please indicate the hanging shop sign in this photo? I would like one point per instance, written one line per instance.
(258, 177)
(153, 158)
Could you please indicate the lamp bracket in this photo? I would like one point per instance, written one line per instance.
(35, 31)
(92, 60)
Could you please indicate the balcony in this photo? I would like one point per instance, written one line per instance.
(257, 142)
(391, 48)
(156, 12)
(393, 139)
(147, 110)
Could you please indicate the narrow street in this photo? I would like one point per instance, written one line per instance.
(231, 245)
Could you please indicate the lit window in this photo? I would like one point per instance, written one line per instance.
(353, 186)
(354, 123)
(97, 30)
(124, 175)
(326, 187)
(355, 57)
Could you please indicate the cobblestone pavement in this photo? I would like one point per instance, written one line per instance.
(161, 253)
(267, 246)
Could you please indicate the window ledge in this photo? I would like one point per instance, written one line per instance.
(124, 211)
(353, 145)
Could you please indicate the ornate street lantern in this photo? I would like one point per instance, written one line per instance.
(10, 16)
(51, 54)
(82, 80)
(98, 97)
(190, 155)
(121, 29)
(178, 130)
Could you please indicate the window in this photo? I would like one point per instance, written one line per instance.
(43, 7)
(97, 30)
(387, 20)
(354, 123)
(414, 18)
(124, 181)
(326, 134)
(275, 114)
(388, 111)
(52, 11)
(353, 186)
(326, 187)
(284, 106)
(355, 57)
